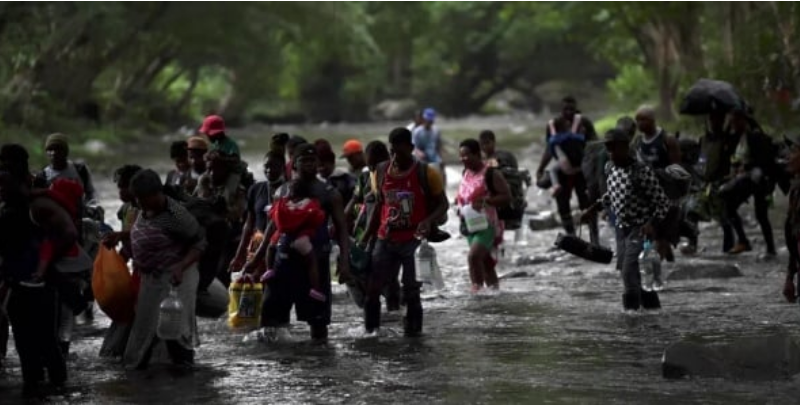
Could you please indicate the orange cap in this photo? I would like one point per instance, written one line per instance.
(351, 147)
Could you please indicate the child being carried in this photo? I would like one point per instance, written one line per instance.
(566, 146)
(297, 218)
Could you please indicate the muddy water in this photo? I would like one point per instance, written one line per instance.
(555, 336)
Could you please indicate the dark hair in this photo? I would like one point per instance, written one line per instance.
(626, 124)
(280, 139)
(377, 151)
(275, 156)
(569, 100)
(561, 125)
(14, 158)
(304, 150)
(146, 183)
(324, 150)
(123, 175)
(179, 149)
(472, 145)
(486, 135)
(295, 141)
(400, 135)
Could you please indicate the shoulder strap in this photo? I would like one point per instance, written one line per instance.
(488, 178)
(576, 123)
(83, 172)
(422, 173)
(551, 125)
(380, 179)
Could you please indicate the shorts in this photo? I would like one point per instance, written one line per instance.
(485, 238)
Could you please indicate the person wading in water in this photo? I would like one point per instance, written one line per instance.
(405, 213)
(639, 203)
(291, 285)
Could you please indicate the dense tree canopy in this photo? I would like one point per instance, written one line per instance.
(166, 63)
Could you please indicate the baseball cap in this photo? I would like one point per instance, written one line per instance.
(429, 114)
(213, 125)
(616, 135)
(197, 143)
(351, 147)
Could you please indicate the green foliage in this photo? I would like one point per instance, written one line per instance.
(156, 65)
(632, 87)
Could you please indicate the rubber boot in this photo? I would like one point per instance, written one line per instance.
(372, 315)
(650, 300)
(631, 301)
(412, 323)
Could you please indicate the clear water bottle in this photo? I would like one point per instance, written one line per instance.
(425, 261)
(648, 264)
(170, 317)
(334, 258)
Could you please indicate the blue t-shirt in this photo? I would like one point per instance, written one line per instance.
(427, 141)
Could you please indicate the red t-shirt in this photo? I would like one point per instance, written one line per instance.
(301, 218)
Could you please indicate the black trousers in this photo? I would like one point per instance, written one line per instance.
(576, 183)
(33, 313)
(3, 336)
(737, 195)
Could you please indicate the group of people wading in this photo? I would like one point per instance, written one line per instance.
(209, 219)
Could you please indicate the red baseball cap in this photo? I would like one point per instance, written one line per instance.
(213, 125)
(351, 147)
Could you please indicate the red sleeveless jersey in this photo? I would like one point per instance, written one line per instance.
(404, 205)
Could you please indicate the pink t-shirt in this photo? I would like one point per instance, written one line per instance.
(473, 186)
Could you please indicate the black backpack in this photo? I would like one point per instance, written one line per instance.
(518, 181)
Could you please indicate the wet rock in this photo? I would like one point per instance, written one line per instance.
(533, 260)
(515, 275)
(704, 270)
(95, 146)
(213, 302)
(761, 358)
(394, 110)
(543, 221)
(689, 359)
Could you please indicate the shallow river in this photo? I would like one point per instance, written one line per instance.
(556, 336)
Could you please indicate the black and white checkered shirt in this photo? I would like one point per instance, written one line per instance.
(635, 195)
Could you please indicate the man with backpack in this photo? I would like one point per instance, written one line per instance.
(518, 180)
(61, 167)
(57, 148)
(410, 202)
(569, 182)
(636, 198)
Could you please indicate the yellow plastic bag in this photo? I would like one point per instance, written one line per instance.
(244, 306)
(113, 286)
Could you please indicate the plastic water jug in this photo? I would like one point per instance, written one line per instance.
(170, 317)
(648, 261)
(334, 258)
(475, 220)
(428, 271)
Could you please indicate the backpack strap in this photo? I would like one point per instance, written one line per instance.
(83, 172)
(576, 123)
(380, 179)
(488, 178)
(422, 173)
(551, 125)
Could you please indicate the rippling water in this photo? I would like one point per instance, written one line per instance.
(556, 336)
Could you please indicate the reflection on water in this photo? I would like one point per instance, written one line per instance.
(557, 336)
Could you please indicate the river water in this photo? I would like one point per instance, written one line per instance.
(557, 335)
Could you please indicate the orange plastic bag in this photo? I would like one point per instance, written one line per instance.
(113, 286)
